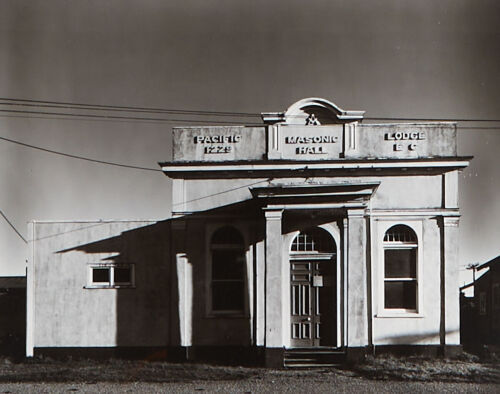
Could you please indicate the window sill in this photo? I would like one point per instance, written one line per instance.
(387, 314)
(92, 287)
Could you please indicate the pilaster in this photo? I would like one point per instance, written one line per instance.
(450, 297)
(450, 189)
(274, 279)
(260, 299)
(178, 197)
(181, 287)
(273, 142)
(357, 280)
(349, 139)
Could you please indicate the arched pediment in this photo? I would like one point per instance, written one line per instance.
(313, 111)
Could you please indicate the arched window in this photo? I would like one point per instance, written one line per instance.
(314, 240)
(400, 269)
(228, 270)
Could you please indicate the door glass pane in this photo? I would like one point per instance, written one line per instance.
(306, 310)
(307, 330)
(295, 300)
(316, 293)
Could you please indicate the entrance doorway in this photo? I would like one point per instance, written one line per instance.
(313, 282)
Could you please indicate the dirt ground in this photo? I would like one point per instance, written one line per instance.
(376, 375)
(330, 383)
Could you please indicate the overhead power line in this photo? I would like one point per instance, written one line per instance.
(62, 117)
(12, 226)
(223, 192)
(93, 116)
(79, 157)
(121, 108)
(102, 107)
(432, 119)
(77, 116)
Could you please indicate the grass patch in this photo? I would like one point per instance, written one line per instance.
(465, 369)
(114, 370)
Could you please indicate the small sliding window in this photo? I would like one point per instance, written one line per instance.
(110, 276)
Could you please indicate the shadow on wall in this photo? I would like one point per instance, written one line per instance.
(416, 344)
(150, 315)
(140, 262)
(414, 338)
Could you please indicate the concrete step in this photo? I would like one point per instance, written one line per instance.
(313, 352)
(312, 358)
(291, 360)
(310, 365)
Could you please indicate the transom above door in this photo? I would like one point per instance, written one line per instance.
(313, 314)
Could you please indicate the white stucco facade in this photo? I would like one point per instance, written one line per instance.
(313, 231)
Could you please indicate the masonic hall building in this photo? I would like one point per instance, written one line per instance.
(310, 236)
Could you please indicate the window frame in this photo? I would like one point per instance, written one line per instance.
(111, 284)
(416, 227)
(210, 311)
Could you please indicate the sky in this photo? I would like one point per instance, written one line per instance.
(391, 58)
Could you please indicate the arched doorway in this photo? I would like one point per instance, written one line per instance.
(313, 278)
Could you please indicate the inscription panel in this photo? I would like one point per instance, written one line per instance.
(223, 143)
(311, 142)
(304, 143)
(404, 141)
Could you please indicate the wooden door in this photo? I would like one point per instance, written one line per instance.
(313, 300)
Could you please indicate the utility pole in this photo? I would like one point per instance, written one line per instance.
(473, 267)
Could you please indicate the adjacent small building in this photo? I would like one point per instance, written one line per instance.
(12, 315)
(481, 313)
(312, 234)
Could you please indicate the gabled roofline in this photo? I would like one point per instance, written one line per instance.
(495, 260)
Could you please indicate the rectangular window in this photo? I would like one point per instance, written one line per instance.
(111, 276)
(400, 270)
(227, 280)
(400, 279)
(227, 271)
